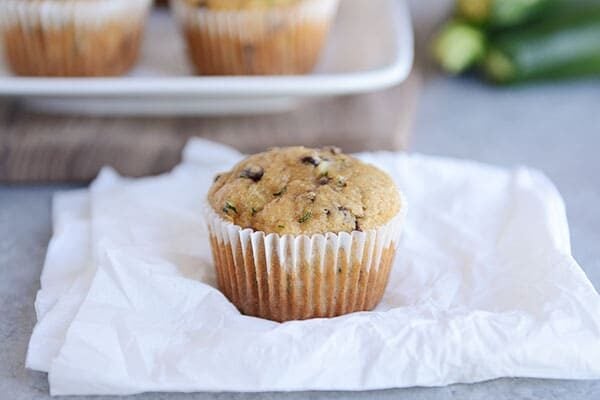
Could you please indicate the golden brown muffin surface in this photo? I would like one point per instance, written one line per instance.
(297, 190)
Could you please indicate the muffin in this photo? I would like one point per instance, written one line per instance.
(72, 37)
(300, 233)
(254, 37)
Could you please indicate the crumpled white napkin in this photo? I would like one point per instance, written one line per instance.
(484, 286)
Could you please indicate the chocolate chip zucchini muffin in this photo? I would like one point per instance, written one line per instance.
(72, 37)
(300, 233)
(254, 37)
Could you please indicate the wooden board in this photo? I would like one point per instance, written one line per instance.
(37, 147)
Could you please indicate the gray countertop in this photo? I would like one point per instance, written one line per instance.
(553, 128)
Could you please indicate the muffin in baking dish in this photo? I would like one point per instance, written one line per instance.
(300, 233)
(72, 37)
(254, 37)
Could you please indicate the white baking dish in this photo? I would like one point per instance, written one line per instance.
(370, 48)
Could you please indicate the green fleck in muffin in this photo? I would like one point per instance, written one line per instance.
(300, 233)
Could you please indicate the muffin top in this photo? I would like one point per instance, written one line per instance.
(298, 190)
(241, 4)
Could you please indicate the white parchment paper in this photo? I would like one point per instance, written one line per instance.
(484, 286)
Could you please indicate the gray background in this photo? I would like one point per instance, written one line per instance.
(555, 128)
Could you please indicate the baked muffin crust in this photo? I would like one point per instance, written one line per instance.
(298, 190)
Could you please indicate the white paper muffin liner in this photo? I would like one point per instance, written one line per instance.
(72, 37)
(277, 40)
(294, 277)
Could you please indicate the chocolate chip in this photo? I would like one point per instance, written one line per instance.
(357, 226)
(217, 177)
(253, 172)
(281, 192)
(314, 161)
(327, 212)
(324, 180)
(333, 150)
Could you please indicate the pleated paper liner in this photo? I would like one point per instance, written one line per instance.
(295, 277)
(272, 41)
(72, 37)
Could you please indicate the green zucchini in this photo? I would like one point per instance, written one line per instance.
(563, 47)
(458, 46)
(501, 13)
(495, 15)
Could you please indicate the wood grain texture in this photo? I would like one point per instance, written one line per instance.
(36, 147)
